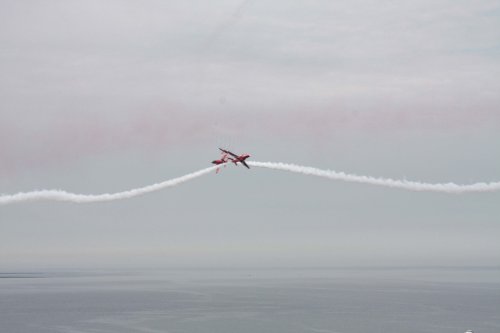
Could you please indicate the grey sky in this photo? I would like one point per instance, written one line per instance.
(98, 96)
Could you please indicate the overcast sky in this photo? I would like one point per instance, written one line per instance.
(101, 96)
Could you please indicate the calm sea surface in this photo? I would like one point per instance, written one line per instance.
(258, 300)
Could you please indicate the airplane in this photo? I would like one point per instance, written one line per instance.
(222, 160)
(236, 158)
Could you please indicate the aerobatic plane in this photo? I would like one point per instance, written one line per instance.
(223, 160)
(235, 158)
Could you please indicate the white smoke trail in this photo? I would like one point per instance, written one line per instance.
(59, 195)
(387, 182)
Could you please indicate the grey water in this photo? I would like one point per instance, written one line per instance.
(323, 300)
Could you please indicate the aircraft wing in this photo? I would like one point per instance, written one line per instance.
(245, 164)
(228, 152)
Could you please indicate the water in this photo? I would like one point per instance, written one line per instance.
(257, 300)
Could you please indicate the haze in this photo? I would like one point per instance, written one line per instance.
(105, 96)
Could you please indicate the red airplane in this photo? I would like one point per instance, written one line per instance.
(222, 160)
(236, 158)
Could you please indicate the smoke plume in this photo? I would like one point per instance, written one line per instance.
(60, 195)
(450, 188)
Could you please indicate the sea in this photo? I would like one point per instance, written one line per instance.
(234, 300)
